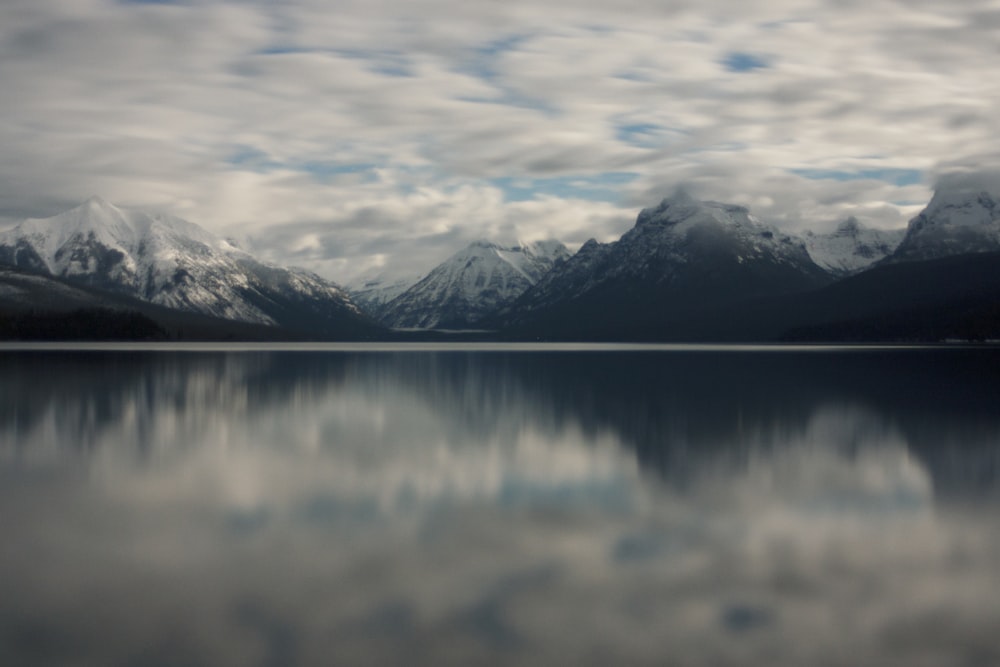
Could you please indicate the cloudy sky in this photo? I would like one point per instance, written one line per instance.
(346, 135)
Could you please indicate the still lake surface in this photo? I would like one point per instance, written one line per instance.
(511, 505)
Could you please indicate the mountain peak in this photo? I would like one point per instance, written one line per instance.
(471, 284)
(673, 209)
(682, 207)
(543, 248)
(97, 200)
(97, 205)
(973, 200)
(961, 218)
(681, 195)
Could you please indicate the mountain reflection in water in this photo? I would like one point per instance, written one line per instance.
(284, 508)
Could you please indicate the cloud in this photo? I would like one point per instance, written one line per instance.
(273, 119)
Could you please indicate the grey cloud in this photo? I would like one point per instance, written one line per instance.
(980, 179)
(417, 234)
(146, 104)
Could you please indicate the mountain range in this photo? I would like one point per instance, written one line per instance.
(704, 271)
(688, 270)
(170, 262)
(681, 257)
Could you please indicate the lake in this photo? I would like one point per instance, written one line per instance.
(528, 505)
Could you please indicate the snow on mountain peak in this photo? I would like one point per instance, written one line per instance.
(97, 202)
(544, 248)
(959, 219)
(471, 284)
(681, 209)
(964, 206)
(681, 254)
(851, 247)
(670, 227)
(165, 260)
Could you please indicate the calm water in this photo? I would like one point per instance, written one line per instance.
(689, 507)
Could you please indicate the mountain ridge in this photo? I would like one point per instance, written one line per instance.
(680, 256)
(688, 270)
(472, 284)
(165, 260)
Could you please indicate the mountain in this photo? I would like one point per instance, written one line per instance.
(957, 221)
(165, 260)
(472, 284)
(852, 247)
(35, 307)
(956, 297)
(681, 257)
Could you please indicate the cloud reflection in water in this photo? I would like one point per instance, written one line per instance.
(499, 508)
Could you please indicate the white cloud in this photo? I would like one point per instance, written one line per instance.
(379, 127)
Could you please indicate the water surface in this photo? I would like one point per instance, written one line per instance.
(589, 505)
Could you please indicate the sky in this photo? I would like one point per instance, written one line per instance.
(354, 137)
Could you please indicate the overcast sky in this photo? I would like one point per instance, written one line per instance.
(340, 135)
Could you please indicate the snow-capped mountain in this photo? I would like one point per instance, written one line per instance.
(169, 261)
(852, 247)
(957, 221)
(473, 283)
(680, 256)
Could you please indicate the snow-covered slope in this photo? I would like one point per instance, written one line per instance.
(471, 284)
(852, 247)
(957, 221)
(683, 253)
(174, 263)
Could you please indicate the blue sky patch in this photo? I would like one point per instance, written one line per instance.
(738, 61)
(332, 168)
(898, 177)
(248, 158)
(603, 187)
(252, 159)
(389, 63)
(279, 50)
(393, 69)
(632, 75)
(644, 135)
(502, 45)
(481, 65)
